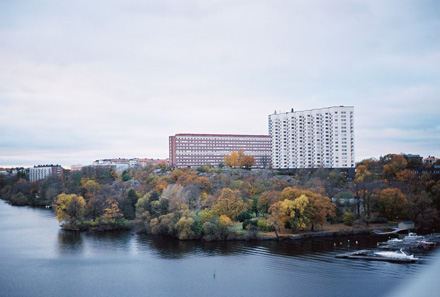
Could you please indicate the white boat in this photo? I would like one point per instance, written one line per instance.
(400, 254)
(412, 236)
(394, 240)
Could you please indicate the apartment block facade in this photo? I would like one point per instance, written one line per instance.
(194, 150)
(42, 171)
(313, 138)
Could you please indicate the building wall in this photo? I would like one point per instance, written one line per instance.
(193, 150)
(313, 138)
(43, 171)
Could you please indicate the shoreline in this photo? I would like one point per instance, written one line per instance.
(259, 236)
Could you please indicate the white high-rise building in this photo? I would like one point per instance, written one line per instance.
(313, 138)
(43, 171)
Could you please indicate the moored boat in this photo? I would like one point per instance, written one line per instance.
(399, 254)
(412, 236)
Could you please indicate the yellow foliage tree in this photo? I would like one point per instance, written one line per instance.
(112, 211)
(183, 228)
(225, 221)
(310, 207)
(276, 216)
(70, 208)
(230, 203)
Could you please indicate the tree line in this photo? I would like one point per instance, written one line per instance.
(211, 203)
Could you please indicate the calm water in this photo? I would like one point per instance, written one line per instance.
(39, 259)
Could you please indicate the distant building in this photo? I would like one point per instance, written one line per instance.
(16, 170)
(76, 167)
(413, 160)
(152, 162)
(430, 160)
(316, 138)
(406, 225)
(434, 172)
(42, 171)
(122, 164)
(194, 150)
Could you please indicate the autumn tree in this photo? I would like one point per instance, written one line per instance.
(276, 217)
(319, 209)
(333, 182)
(229, 203)
(91, 186)
(203, 183)
(239, 158)
(392, 203)
(70, 209)
(295, 212)
(232, 160)
(111, 211)
(393, 163)
(191, 197)
(308, 207)
(184, 228)
(247, 161)
(362, 189)
(266, 199)
(425, 214)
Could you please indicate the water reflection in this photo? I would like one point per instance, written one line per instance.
(166, 247)
(70, 242)
(33, 250)
(76, 243)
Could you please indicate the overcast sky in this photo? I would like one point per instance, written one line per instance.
(86, 80)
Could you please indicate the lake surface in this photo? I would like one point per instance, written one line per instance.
(39, 259)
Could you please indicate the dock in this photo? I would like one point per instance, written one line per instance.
(369, 256)
(390, 231)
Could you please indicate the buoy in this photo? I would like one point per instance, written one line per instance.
(214, 272)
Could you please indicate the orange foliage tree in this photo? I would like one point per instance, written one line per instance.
(392, 203)
(239, 158)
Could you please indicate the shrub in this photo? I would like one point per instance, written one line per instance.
(225, 221)
(349, 218)
(250, 223)
(264, 226)
(126, 177)
(242, 216)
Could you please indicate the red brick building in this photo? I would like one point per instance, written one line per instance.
(194, 150)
